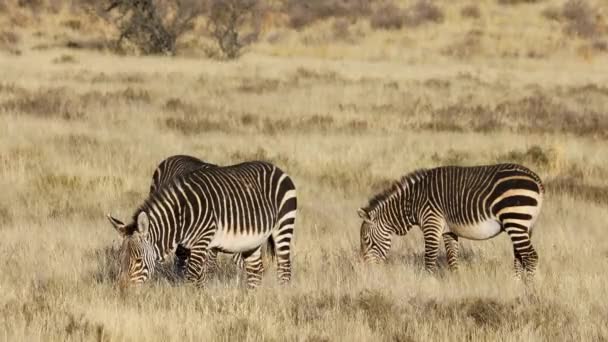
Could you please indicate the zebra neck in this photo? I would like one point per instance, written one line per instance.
(161, 236)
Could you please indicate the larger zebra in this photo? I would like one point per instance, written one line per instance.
(164, 173)
(228, 209)
(471, 202)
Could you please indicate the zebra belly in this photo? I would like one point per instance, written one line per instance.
(480, 231)
(230, 242)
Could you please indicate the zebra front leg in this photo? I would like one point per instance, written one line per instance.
(254, 267)
(200, 266)
(181, 260)
(432, 235)
(451, 250)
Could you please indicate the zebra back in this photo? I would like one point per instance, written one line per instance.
(175, 166)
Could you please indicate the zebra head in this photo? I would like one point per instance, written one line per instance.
(136, 256)
(375, 237)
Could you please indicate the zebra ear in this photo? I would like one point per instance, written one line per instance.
(364, 215)
(117, 224)
(143, 223)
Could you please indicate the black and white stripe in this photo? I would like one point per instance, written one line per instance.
(471, 202)
(233, 209)
(164, 173)
(174, 166)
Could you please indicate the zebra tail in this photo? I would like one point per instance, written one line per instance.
(271, 247)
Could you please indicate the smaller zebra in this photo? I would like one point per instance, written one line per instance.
(165, 172)
(475, 203)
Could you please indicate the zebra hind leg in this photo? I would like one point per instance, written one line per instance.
(451, 250)
(518, 264)
(526, 258)
(280, 245)
(254, 267)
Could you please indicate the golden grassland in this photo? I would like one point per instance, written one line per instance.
(81, 132)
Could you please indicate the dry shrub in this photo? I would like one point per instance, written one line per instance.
(303, 13)
(574, 186)
(177, 105)
(600, 45)
(581, 18)
(534, 156)
(229, 20)
(196, 125)
(123, 77)
(465, 47)
(451, 157)
(517, 2)
(552, 13)
(537, 113)
(341, 30)
(65, 59)
(44, 103)
(470, 11)
(422, 12)
(549, 318)
(238, 329)
(89, 44)
(388, 17)
(152, 27)
(73, 24)
(326, 76)
(79, 327)
(6, 217)
(103, 99)
(8, 39)
(259, 85)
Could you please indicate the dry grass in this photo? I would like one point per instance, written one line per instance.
(81, 138)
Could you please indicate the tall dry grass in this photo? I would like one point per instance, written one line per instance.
(81, 138)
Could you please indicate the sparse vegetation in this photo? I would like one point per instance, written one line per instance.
(345, 106)
(305, 13)
(388, 16)
(470, 11)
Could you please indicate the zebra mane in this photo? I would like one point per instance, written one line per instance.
(149, 201)
(403, 183)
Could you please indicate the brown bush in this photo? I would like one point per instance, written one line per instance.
(600, 45)
(65, 59)
(46, 103)
(8, 38)
(575, 187)
(552, 13)
(388, 17)
(581, 18)
(470, 11)
(302, 13)
(227, 22)
(341, 31)
(153, 27)
(516, 2)
(466, 46)
(422, 12)
(534, 156)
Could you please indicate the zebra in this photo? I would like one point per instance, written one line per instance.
(168, 169)
(475, 203)
(231, 209)
(174, 166)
